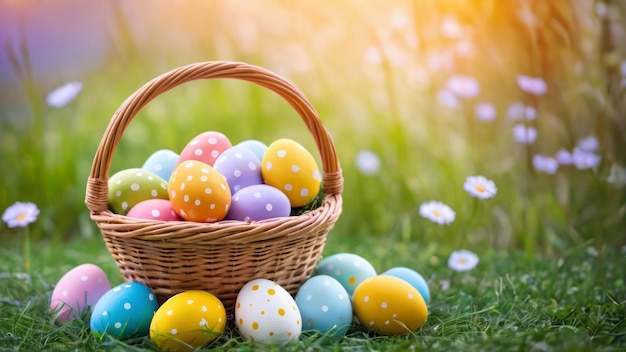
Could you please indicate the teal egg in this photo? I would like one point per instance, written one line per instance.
(412, 277)
(348, 268)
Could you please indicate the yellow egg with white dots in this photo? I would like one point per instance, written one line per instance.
(389, 306)
(187, 321)
(288, 166)
(266, 313)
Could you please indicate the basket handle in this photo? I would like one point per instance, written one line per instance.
(96, 197)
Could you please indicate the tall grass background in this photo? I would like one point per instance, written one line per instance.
(374, 71)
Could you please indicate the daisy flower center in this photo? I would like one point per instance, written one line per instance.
(462, 261)
(437, 213)
(21, 217)
(479, 188)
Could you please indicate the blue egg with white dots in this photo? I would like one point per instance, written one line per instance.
(124, 312)
(412, 277)
(325, 306)
(348, 268)
(161, 163)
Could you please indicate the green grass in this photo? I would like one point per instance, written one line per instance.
(573, 302)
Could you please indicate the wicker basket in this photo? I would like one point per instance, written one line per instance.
(176, 256)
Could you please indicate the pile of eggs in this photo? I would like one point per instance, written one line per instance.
(345, 291)
(212, 180)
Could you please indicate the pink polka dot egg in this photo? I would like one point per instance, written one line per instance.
(187, 321)
(154, 209)
(77, 291)
(205, 147)
(267, 314)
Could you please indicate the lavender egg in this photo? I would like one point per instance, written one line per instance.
(240, 166)
(258, 202)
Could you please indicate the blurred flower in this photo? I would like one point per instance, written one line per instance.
(444, 284)
(617, 175)
(524, 134)
(623, 68)
(532, 85)
(588, 144)
(585, 160)
(480, 187)
(373, 55)
(437, 212)
(545, 164)
(367, 162)
(447, 98)
(564, 157)
(463, 86)
(20, 214)
(519, 111)
(450, 27)
(485, 111)
(464, 48)
(462, 260)
(601, 9)
(64, 94)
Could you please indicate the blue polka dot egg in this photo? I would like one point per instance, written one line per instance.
(325, 306)
(123, 312)
(348, 268)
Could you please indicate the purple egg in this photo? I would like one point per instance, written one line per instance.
(240, 166)
(258, 202)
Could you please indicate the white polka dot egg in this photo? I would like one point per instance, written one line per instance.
(131, 186)
(288, 166)
(161, 163)
(154, 209)
(389, 305)
(187, 321)
(258, 202)
(266, 313)
(348, 268)
(198, 192)
(240, 166)
(123, 312)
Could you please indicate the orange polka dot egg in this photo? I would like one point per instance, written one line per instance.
(198, 192)
(187, 321)
(267, 314)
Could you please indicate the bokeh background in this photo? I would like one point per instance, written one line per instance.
(417, 95)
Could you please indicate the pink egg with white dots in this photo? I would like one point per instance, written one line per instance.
(205, 147)
(78, 290)
(154, 209)
(258, 202)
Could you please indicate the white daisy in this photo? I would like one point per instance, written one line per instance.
(437, 212)
(480, 187)
(367, 162)
(20, 214)
(462, 260)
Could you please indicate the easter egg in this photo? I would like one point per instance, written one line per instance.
(413, 277)
(240, 166)
(257, 147)
(154, 209)
(389, 306)
(123, 312)
(258, 202)
(187, 321)
(205, 147)
(288, 166)
(77, 291)
(325, 306)
(348, 268)
(266, 313)
(131, 186)
(198, 192)
(161, 163)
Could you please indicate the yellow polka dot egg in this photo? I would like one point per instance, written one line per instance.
(198, 192)
(266, 313)
(288, 166)
(187, 321)
(389, 305)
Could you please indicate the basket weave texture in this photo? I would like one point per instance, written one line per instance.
(176, 256)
